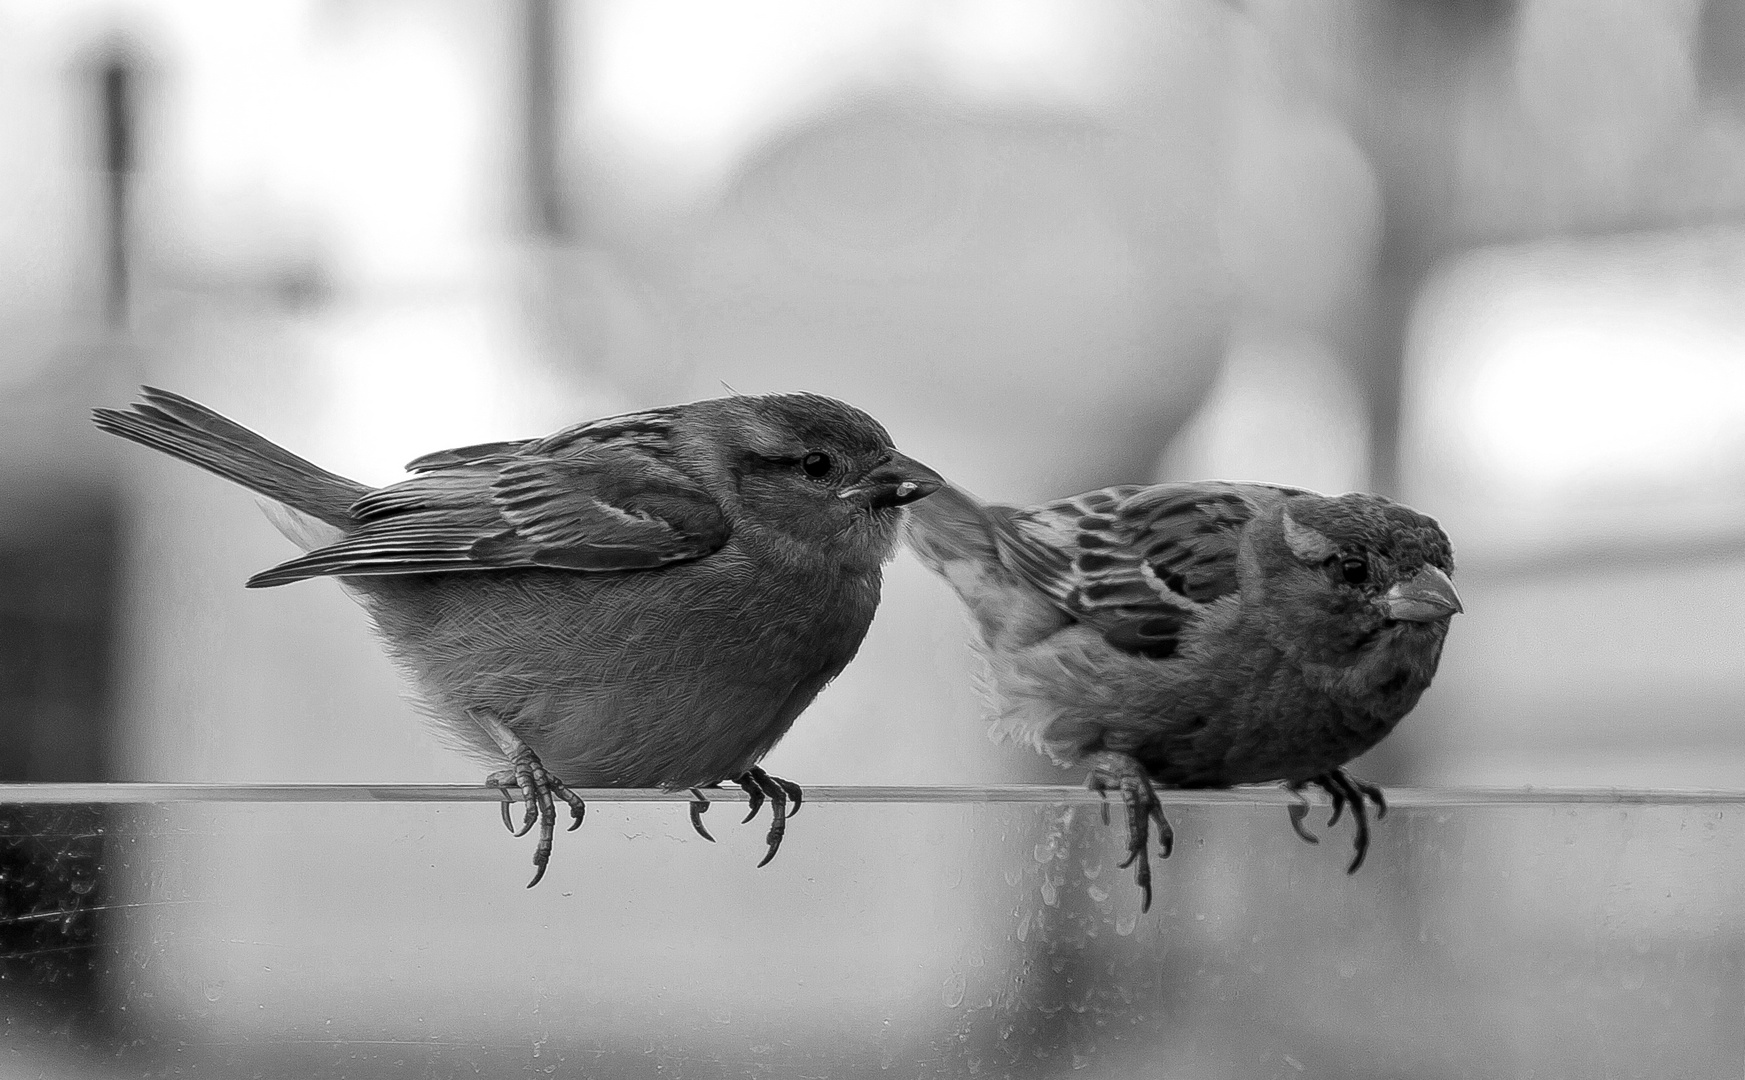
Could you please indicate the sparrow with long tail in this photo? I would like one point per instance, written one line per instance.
(645, 600)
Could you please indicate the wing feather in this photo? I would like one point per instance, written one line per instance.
(1137, 563)
(599, 497)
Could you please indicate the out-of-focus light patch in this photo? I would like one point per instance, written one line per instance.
(1577, 394)
(1059, 51)
(1573, 392)
(676, 89)
(368, 128)
(238, 137)
(405, 110)
(1284, 411)
(407, 380)
(673, 92)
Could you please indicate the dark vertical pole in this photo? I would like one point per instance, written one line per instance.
(59, 574)
(542, 91)
(1401, 267)
(117, 91)
(1409, 124)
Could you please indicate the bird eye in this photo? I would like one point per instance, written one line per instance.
(1354, 570)
(815, 464)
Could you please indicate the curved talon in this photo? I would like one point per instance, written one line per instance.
(758, 786)
(1362, 846)
(754, 796)
(699, 807)
(1298, 811)
(530, 796)
(1338, 806)
(1375, 796)
(505, 804)
(795, 795)
(1165, 832)
(539, 867)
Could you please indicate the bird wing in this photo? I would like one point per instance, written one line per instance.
(602, 496)
(1137, 563)
(466, 455)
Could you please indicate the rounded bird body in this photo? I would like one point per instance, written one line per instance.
(675, 678)
(1199, 635)
(643, 600)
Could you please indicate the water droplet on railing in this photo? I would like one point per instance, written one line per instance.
(952, 991)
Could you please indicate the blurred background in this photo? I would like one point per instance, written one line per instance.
(1487, 256)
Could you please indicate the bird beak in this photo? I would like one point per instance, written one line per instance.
(1426, 596)
(896, 481)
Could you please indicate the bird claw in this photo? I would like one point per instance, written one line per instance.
(1342, 788)
(1338, 807)
(699, 807)
(1298, 811)
(1112, 771)
(784, 798)
(795, 796)
(528, 778)
(1165, 831)
(1374, 793)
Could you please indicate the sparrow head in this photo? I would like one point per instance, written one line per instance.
(819, 471)
(1359, 587)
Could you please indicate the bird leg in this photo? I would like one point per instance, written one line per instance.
(1342, 788)
(528, 777)
(1121, 772)
(760, 785)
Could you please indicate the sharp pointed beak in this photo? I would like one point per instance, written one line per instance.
(1426, 596)
(897, 481)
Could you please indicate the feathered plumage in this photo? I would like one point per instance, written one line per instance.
(644, 600)
(1200, 634)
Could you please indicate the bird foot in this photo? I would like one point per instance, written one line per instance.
(784, 797)
(1343, 789)
(1120, 772)
(527, 778)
